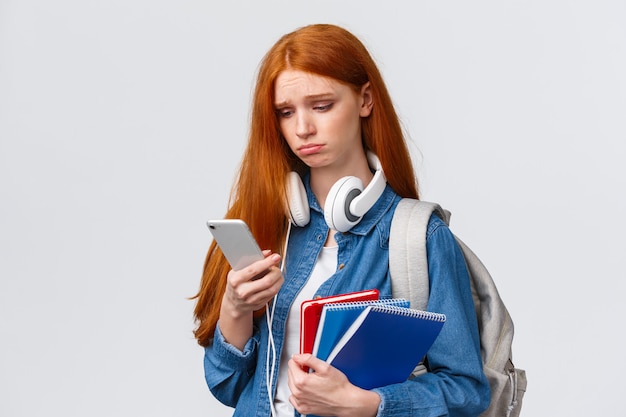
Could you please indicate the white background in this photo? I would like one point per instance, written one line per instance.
(122, 123)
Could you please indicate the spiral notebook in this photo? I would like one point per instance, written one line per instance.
(311, 312)
(336, 318)
(384, 344)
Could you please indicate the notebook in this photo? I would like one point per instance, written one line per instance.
(384, 344)
(336, 319)
(311, 311)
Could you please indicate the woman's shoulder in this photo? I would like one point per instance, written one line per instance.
(437, 228)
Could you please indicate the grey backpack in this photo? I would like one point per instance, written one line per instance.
(409, 279)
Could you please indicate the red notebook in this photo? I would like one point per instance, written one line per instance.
(311, 311)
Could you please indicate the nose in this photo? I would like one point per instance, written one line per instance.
(304, 125)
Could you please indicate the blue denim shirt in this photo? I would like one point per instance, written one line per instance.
(455, 385)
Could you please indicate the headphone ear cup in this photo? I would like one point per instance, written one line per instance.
(297, 203)
(337, 206)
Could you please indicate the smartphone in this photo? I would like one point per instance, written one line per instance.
(236, 242)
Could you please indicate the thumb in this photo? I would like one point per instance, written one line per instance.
(307, 360)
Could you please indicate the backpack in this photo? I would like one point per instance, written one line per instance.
(408, 267)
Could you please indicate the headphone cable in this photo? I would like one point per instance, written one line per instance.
(271, 347)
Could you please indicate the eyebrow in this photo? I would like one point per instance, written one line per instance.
(311, 97)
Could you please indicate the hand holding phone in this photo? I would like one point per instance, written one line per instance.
(243, 294)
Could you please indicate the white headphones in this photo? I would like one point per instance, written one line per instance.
(346, 202)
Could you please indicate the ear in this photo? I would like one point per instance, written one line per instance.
(367, 100)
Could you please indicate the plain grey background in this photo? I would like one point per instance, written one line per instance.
(122, 123)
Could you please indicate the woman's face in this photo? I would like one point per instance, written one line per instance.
(321, 118)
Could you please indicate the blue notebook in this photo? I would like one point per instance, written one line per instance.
(384, 344)
(336, 319)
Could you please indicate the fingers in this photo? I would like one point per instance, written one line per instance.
(320, 392)
(299, 379)
(254, 271)
(309, 361)
(252, 287)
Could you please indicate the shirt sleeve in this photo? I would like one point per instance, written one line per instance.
(227, 370)
(455, 384)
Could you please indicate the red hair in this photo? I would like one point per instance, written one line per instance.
(258, 195)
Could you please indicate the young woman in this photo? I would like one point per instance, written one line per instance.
(323, 125)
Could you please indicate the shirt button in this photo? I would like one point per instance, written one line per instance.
(341, 266)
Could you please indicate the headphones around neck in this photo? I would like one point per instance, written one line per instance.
(346, 202)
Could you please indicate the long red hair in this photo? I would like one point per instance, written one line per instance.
(258, 195)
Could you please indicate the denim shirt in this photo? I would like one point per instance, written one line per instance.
(455, 385)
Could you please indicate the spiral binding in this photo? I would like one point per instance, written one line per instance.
(349, 305)
(409, 312)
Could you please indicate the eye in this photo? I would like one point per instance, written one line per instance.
(284, 113)
(323, 107)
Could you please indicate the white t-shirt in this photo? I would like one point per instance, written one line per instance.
(325, 266)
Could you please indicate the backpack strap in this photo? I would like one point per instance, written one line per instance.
(408, 261)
